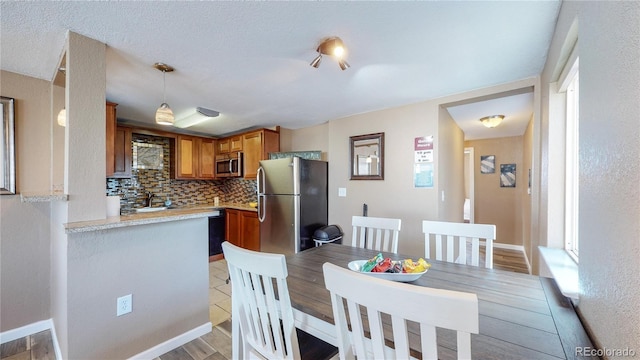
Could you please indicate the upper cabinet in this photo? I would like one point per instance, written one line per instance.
(256, 146)
(230, 144)
(118, 141)
(194, 157)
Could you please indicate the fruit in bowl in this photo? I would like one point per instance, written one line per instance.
(396, 270)
(253, 204)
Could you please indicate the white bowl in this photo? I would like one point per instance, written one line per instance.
(356, 265)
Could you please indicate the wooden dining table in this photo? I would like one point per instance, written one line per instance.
(521, 316)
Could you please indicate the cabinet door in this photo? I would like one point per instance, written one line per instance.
(224, 146)
(111, 137)
(257, 146)
(252, 144)
(206, 159)
(250, 228)
(122, 153)
(186, 157)
(235, 144)
(232, 230)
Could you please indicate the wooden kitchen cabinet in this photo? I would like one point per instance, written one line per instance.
(235, 144)
(232, 229)
(110, 136)
(194, 157)
(206, 167)
(250, 228)
(118, 143)
(243, 229)
(256, 146)
(224, 145)
(186, 157)
(122, 153)
(229, 144)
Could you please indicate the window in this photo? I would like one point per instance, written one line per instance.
(571, 85)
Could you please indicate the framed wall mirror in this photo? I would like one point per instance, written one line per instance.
(7, 147)
(367, 156)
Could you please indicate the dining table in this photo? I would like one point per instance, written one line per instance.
(521, 316)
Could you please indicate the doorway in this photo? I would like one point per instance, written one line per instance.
(469, 185)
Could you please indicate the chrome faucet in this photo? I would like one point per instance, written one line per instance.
(149, 197)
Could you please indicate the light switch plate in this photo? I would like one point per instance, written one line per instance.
(342, 192)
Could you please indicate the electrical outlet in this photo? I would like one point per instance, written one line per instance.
(123, 305)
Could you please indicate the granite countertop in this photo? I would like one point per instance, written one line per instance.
(182, 213)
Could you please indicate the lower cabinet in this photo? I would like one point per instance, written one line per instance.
(243, 229)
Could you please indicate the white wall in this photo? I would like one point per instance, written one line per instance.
(609, 212)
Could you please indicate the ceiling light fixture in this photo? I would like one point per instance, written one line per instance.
(62, 117)
(196, 118)
(492, 121)
(164, 115)
(332, 46)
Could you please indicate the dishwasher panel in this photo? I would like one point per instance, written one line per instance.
(216, 233)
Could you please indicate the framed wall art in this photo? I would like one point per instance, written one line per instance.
(487, 164)
(7, 147)
(507, 175)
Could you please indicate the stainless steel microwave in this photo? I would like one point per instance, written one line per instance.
(229, 165)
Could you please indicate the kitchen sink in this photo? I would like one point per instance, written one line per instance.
(151, 209)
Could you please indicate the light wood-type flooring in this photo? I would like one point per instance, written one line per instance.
(215, 345)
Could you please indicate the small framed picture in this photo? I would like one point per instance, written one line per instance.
(507, 175)
(487, 164)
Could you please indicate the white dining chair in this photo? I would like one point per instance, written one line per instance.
(465, 233)
(430, 308)
(262, 317)
(375, 233)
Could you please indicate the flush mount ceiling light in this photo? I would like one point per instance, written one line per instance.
(332, 46)
(164, 115)
(196, 118)
(492, 121)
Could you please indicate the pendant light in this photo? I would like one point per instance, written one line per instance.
(164, 115)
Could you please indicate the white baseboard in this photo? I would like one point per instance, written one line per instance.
(508, 246)
(31, 329)
(175, 342)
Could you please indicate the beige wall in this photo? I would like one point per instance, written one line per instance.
(609, 229)
(163, 265)
(450, 170)
(396, 196)
(24, 227)
(525, 190)
(76, 278)
(497, 205)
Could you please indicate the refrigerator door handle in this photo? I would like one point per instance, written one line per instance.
(261, 198)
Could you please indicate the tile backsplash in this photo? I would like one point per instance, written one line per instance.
(132, 191)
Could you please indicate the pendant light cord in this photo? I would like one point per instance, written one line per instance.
(164, 87)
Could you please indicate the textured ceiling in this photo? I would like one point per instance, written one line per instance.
(250, 60)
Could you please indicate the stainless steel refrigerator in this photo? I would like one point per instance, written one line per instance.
(292, 203)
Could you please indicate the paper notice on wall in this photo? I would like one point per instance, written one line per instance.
(423, 175)
(423, 149)
(423, 162)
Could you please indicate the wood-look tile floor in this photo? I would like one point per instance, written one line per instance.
(215, 345)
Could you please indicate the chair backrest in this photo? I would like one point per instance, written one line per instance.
(465, 233)
(379, 234)
(431, 308)
(264, 310)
